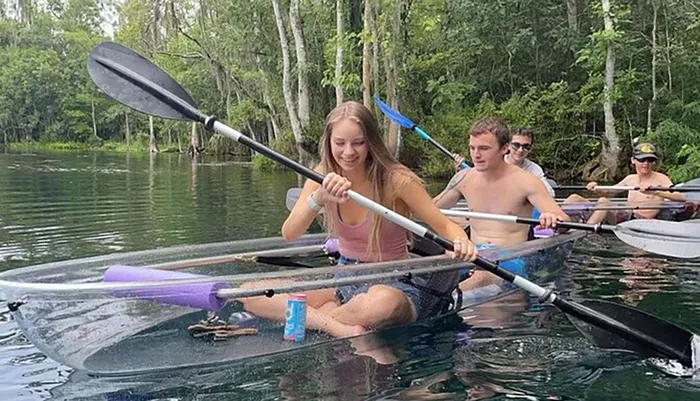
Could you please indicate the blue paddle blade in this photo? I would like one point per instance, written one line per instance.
(394, 115)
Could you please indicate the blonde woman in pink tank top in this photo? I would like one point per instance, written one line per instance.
(354, 156)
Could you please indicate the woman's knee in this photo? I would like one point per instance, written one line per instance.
(388, 301)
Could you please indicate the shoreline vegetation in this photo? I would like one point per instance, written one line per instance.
(589, 77)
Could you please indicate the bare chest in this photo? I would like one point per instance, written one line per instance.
(500, 198)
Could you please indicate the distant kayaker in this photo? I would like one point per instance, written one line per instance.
(353, 156)
(643, 160)
(495, 186)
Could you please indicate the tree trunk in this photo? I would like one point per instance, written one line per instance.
(391, 137)
(127, 134)
(193, 146)
(275, 132)
(375, 50)
(654, 93)
(572, 14)
(286, 81)
(392, 133)
(668, 51)
(152, 145)
(155, 37)
(302, 66)
(339, 52)
(94, 119)
(366, 73)
(611, 152)
(270, 131)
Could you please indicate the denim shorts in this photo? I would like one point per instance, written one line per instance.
(345, 293)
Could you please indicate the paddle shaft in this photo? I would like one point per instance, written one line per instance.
(579, 311)
(437, 144)
(670, 188)
(607, 228)
(295, 286)
(294, 193)
(573, 207)
(406, 122)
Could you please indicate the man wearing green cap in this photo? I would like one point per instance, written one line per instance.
(643, 161)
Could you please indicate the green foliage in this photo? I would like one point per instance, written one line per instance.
(284, 145)
(455, 61)
(670, 138)
(689, 165)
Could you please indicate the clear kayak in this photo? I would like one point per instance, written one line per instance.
(73, 316)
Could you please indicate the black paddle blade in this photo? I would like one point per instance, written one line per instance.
(675, 337)
(109, 65)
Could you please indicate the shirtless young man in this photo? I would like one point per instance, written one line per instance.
(643, 162)
(494, 186)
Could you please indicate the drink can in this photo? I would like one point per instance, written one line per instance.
(295, 318)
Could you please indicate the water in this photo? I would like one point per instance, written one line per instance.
(56, 206)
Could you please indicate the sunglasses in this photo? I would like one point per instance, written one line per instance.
(518, 145)
(649, 160)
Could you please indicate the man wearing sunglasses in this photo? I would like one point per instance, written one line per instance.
(520, 146)
(643, 161)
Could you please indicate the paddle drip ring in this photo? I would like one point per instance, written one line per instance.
(544, 297)
(209, 123)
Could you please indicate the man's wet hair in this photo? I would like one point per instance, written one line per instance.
(492, 125)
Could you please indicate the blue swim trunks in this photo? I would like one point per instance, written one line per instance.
(345, 293)
(515, 265)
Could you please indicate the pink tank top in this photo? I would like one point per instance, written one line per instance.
(354, 239)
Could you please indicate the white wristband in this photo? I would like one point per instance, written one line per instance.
(311, 203)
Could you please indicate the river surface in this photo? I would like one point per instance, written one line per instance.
(64, 205)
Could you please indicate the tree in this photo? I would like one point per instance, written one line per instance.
(611, 153)
(290, 102)
(340, 33)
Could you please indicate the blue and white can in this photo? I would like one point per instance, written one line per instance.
(295, 318)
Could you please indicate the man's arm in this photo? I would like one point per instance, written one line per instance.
(451, 194)
(627, 181)
(665, 181)
(537, 195)
(539, 173)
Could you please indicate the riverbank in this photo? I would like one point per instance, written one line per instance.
(111, 146)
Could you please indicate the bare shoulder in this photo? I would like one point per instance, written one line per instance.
(631, 179)
(459, 178)
(661, 179)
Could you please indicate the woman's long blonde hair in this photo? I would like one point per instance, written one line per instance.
(380, 165)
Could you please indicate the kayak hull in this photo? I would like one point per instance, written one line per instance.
(73, 317)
